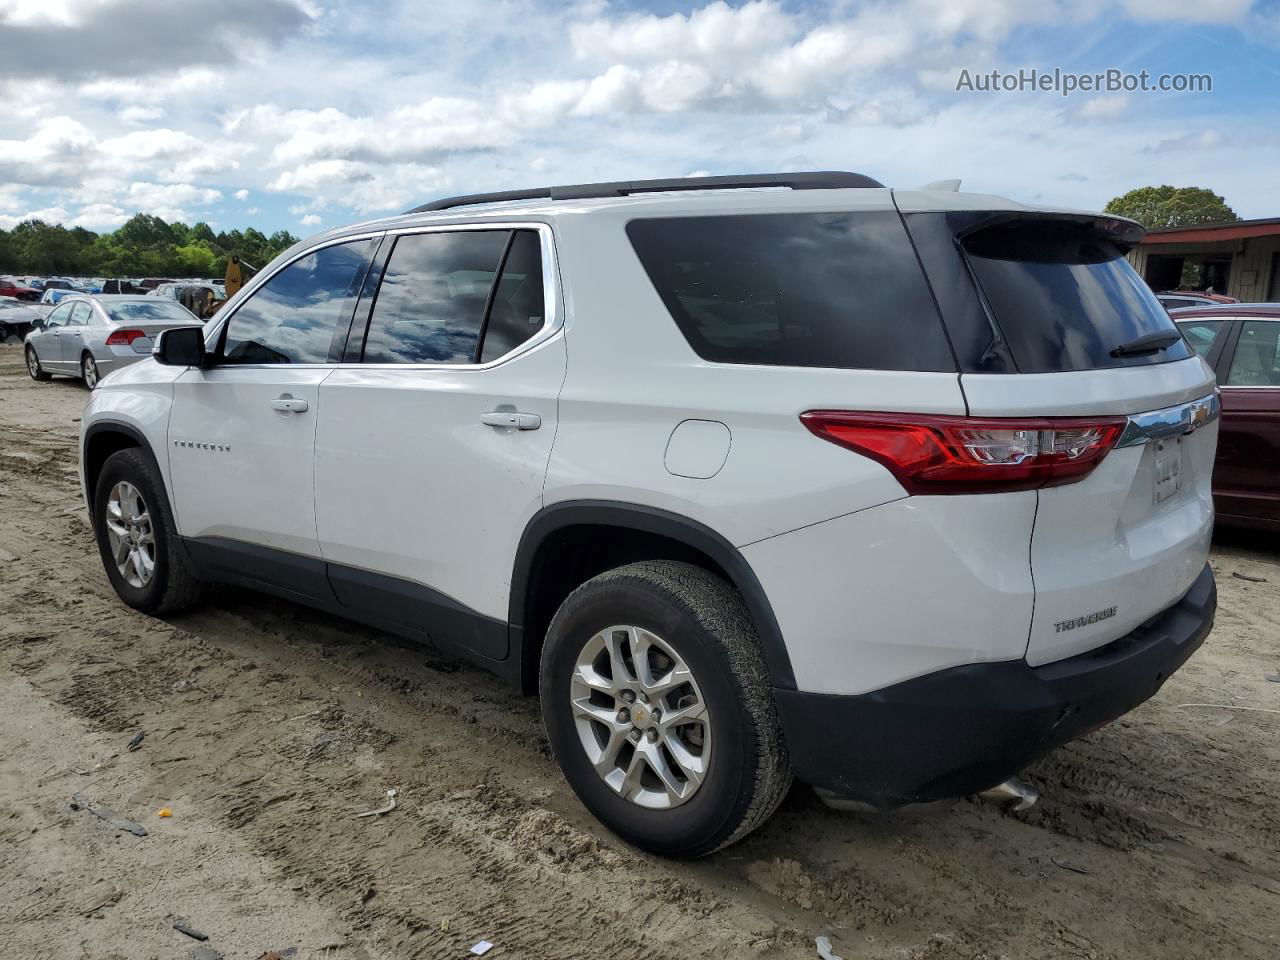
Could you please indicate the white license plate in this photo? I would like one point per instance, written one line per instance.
(1168, 468)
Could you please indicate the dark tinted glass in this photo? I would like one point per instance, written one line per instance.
(294, 317)
(519, 308)
(432, 299)
(1201, 334)
(809, 290)
(1065, 297)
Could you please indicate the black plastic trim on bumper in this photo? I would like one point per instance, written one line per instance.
(962, 730)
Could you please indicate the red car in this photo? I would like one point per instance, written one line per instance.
(12, 288)
(1241, 341)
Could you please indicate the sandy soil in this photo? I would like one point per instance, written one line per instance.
(268, 726)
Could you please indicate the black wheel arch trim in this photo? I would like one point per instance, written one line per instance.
(133, 433)
(650, 520)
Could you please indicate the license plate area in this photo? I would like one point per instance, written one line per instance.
(1168, 463)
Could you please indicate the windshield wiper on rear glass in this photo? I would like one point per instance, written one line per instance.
(1148, 343)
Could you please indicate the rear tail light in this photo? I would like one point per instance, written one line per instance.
(942, 454)
(125, 338)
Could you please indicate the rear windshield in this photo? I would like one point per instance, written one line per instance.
(805, 290)
(1065, 297)
(161, 311)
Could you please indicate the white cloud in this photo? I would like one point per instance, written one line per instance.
(353, 115)
(1104, 108)
(310, 220)
(1193, 141)
(139, 114)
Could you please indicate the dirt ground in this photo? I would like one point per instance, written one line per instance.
(268, 726)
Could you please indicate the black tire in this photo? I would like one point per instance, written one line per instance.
(703, 619)
(173, 586)
(34, 368)
(85, 360)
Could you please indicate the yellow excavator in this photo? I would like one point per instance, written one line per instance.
(237, 274)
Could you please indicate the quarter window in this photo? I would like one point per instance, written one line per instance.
(801, 290)
(303, 313)
(1257, 359)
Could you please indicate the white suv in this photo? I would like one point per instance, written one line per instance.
(892, 491)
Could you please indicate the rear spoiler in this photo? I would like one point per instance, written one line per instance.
(1123, 232)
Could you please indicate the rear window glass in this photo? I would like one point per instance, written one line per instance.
(160, 311)
(807, 290)
(1065, 297)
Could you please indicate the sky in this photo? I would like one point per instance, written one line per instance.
(308, 114)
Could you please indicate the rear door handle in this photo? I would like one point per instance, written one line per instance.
(289, 404)
(511, 418)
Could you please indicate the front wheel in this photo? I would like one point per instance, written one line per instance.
(89, 371)
(33, 366)
(138, 539)
(656, 701)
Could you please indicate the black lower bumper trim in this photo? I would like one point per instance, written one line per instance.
(962, 730)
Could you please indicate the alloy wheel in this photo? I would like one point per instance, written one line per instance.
(130, 534)
(641, 717)
(33, 363)
(90, 372)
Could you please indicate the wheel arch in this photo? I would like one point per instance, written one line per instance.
(102, 439)
(551, 562)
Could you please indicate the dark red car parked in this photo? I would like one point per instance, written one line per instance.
(1241, 341)
(19, 291)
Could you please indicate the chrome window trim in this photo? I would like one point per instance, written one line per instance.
(552, 301)
(1172, 421)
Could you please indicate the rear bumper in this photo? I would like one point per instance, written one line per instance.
(967, 728)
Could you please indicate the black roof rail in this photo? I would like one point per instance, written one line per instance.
(818, 180)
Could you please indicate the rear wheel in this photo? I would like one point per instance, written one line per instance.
(33, 365)
(656, 701)
(89, 371)
(137, 537)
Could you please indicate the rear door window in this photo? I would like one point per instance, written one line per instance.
(1065, 297)
(518, 310)
(457, 297)
(1257, 358)
(807, 290)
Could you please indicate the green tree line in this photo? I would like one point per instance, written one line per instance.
(145, 246)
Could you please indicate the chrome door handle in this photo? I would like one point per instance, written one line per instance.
(511, 418)
(289, 404)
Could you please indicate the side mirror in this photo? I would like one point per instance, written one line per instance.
(180, 347)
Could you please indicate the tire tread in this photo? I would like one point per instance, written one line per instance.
(719, 610)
